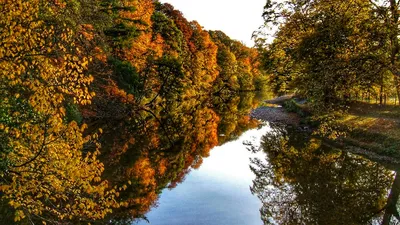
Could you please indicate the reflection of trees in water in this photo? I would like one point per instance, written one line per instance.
(235, 115)
(307, 182)
(392, 206)
(161, 148)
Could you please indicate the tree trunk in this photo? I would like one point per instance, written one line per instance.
(397, 85)
(385, 99)
(393, 26)
(391, 209)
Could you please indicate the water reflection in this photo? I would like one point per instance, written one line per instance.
(163, 142)
(305, 181)
(216, 193)
(392, 204)
(299, 179)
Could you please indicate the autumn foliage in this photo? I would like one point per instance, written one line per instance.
(45, 172)
(71, 70)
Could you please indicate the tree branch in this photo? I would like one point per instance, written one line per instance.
(39, 152)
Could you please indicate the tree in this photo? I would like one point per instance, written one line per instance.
(46, 173)
(325, 50)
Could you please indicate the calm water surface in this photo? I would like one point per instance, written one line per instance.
(280, 175)
(216, 193)
(205, 161)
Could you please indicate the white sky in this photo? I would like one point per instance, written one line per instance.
(236, 18)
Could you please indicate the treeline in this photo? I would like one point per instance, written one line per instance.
(333, 51)
(154, 54)
(68, 65)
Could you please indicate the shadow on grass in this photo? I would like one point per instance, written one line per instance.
(375, 110)
(377, 142)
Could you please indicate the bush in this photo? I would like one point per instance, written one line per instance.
(127, 76)
(292, 106)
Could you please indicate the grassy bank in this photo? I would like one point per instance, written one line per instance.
(373, 127)
(366, 128)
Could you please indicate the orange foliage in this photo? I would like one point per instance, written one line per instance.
(87, 31)
(162, 166)
(145, 196)
(143, 171)
(206, 135)
(181, 23)
(114, 91)
(145, 45)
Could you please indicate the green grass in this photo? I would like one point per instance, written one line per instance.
(373, 127)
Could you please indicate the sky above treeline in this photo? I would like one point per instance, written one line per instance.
(236, 18)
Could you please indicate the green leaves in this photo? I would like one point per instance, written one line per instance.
(324, 51)
(127, 76)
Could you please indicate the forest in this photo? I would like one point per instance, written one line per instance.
(94, 98)
(105, 103)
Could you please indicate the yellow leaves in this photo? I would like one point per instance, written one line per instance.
(85, 62)
(6, 130)
(81, 205)
(3, 187)
(124, 204)
(19, 214)
(17, 133)
(123, 188)
(55, 146)
(83, 126)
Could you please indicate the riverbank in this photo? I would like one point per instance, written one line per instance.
(373, 127)
(370, 129)
(276, 114)
(272, 111)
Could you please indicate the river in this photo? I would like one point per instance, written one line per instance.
(207, 162)
(216, 193)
